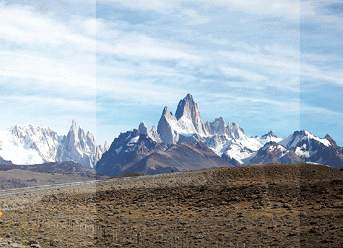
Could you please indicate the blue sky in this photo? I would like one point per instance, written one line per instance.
(267, 65)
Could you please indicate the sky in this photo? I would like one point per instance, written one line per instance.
(110, 64)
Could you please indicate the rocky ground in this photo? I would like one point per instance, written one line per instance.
(250, 206)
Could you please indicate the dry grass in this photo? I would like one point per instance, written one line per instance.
(274, 205)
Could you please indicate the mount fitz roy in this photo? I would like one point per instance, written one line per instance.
(184, 136)
(31, 144)
(180, 142)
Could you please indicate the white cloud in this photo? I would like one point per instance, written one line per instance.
(308, 109)
(43, 48)
(139, 45)
(140, 64)
(280, 8)
(290, 105)
(49, 70)
(36, 104)
(24, 26)
(194, 18)
(139, 92)
(162, 6)
(235, 72)
(279, 64)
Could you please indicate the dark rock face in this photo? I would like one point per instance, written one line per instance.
(180, 157)
(313, 149)
(126, 150)
(3, 161)
(187, 120)
(142, 129)
(133, 152)
(269, 134)
(332, 156)
(216, 127)
(232, 161)
(273, 153)
(332, 142)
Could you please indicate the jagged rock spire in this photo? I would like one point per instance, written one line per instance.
(142, 128)
(164, 128)
(79, 147)
(188, 109)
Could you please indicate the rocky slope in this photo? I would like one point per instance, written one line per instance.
(274, 153)
(180, 157)
(125, 151)
(3, 161)
(139, 151)
(314, 149)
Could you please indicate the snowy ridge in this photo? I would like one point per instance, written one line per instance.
(32, 144)
(304, 143)
(43, 140)
(293, 140)
(12, 149)
(231, 141)
(274, 153)
(243, 148)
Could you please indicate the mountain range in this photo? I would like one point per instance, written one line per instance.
(31, 144)
(180, 142)
(174, 146)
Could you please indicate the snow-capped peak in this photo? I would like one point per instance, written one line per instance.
(187, 121)
(269, 135)
(143, 130)
(186, 107)
(32, 144)
(304, 144)
(42, 141)
(274, 153)
(297, 137)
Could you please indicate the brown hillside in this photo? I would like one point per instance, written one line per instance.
(180, 157)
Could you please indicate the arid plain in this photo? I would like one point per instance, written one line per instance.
(249, 206)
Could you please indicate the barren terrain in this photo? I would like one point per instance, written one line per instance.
(250, 206)
(16, 178)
